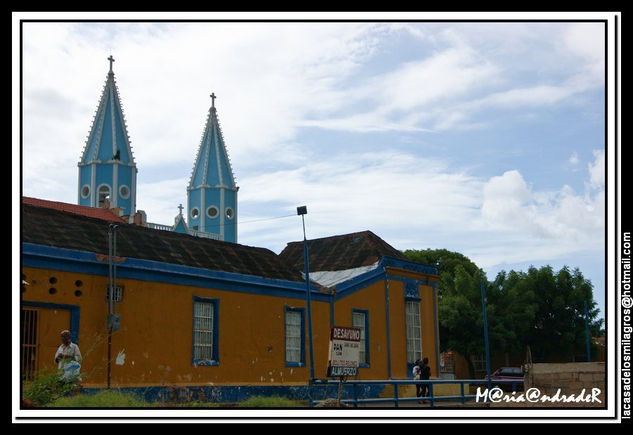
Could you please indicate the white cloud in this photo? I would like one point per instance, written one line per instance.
(597, 170)
(569, 221)
(272, 80)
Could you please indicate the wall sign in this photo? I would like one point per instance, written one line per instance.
(344, 351)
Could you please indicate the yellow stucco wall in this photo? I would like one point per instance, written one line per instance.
(154, 344)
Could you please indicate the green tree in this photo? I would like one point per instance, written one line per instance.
(538, 308)
(459, 303)
(558, 330)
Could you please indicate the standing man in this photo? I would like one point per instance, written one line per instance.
(68, 358)
(425, 375)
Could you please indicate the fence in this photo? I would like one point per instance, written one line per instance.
(358, 387)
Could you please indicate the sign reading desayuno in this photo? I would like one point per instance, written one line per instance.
(344, 351)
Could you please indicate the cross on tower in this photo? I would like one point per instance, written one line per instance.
(213, 97)
(180, 207)
(111, 59)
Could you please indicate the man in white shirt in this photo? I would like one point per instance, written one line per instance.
(68, 358)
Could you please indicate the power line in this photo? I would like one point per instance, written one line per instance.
(266, 219)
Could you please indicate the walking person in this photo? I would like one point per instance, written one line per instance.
(425, 375)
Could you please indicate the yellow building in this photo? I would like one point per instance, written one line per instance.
(210, 318)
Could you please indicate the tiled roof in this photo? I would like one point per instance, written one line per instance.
(94, 212)
(54, 227)
(342, 252)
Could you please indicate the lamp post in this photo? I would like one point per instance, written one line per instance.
(302, 211)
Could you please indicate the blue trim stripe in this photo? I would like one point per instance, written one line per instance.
(47, 257)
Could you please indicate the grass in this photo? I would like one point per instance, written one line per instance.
(102, 399)
(117, 399)
(270, 402)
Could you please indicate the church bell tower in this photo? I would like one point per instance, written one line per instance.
(212, 193)
(107, 170)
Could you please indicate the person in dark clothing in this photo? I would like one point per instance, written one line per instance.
(425, 374)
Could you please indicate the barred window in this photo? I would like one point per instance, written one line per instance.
(414, 331)
(294, 336)
(117, 294)
(203, 330)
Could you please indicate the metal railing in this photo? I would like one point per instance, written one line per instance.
(355, 399)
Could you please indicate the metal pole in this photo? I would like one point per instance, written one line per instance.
(587, 332)
(483, 305)
(308, 297)
(437, 336)
(388, 323)
(111, 284)
(109, 319)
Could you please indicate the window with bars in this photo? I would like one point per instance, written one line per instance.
(360, 321)
(29, 326)
(117, 293)
(414, 331)
(205, 331)
(294, 328)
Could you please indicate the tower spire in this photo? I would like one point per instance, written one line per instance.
(106, 167)
(212, 192)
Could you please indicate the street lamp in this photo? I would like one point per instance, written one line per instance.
(302, 211)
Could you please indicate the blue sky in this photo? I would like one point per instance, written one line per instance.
(485, 138)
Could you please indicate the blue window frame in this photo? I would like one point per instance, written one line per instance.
(205, 331)
(360, 320)
(294, 327)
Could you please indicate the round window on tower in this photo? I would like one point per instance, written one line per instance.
(229, 212)
(195, 212)
(212, 212)
(124, 191)
(85, 191)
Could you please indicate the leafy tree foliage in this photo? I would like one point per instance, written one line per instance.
(539, 308)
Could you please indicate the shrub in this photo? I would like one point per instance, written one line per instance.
(47, 388)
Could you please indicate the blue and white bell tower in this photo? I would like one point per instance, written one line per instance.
(212, 193)
(107, 169)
